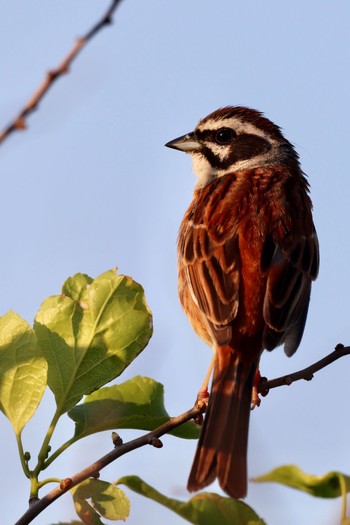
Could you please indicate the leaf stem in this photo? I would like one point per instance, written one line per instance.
(58, 452)
(24, 462)
(44, 451)
(34, 487)
(48, 480)
(343, 498)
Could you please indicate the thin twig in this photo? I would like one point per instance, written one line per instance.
(152, 438)
(306, 374)
(19, 122)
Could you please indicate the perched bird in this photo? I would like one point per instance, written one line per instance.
(247, 254)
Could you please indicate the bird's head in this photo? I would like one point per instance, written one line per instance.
(232, 139)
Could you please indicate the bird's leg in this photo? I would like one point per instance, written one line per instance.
(203, 394)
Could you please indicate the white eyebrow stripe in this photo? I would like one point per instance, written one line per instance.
(237, 125)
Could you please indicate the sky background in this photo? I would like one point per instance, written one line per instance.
(90, 186)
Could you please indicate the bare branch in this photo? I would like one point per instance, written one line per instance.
(307, 373)
(19, 122)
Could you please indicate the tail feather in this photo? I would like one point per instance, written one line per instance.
(222, 446)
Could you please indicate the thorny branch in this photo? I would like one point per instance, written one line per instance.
(152, 438)
(19, 122)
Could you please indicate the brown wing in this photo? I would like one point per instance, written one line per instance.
(211, 270)
(213, 276)
(209, 257)
(290, 270)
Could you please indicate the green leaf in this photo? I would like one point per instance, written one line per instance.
(107, 501)
(75, 287)
(327, 486)
(203, 509)
(23, 371)
(91, 333)
(87, 513)
(137, 403)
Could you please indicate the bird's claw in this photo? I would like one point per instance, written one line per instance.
(202, 404)
(255, 402)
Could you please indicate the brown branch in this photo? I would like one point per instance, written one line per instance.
(19, 122)
(152, 438)
(307, 373)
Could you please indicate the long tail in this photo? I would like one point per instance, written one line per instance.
(222, 446)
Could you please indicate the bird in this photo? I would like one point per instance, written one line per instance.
(247, 255)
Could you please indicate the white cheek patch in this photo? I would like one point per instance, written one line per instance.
(203, 169)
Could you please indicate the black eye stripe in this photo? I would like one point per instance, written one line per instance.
(204, 136)
(212, 135)
(208, 135)
(243, 147)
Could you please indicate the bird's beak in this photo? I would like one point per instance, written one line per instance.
(186, 143)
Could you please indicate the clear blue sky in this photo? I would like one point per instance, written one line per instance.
(90, 186)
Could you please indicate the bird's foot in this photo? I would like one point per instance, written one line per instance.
(259, 387)
(255, 402)
(201, 403)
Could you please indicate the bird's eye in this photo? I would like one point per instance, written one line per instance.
(224, 135)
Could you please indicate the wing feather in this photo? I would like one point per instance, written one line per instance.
(290, 271)
(214, 278)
